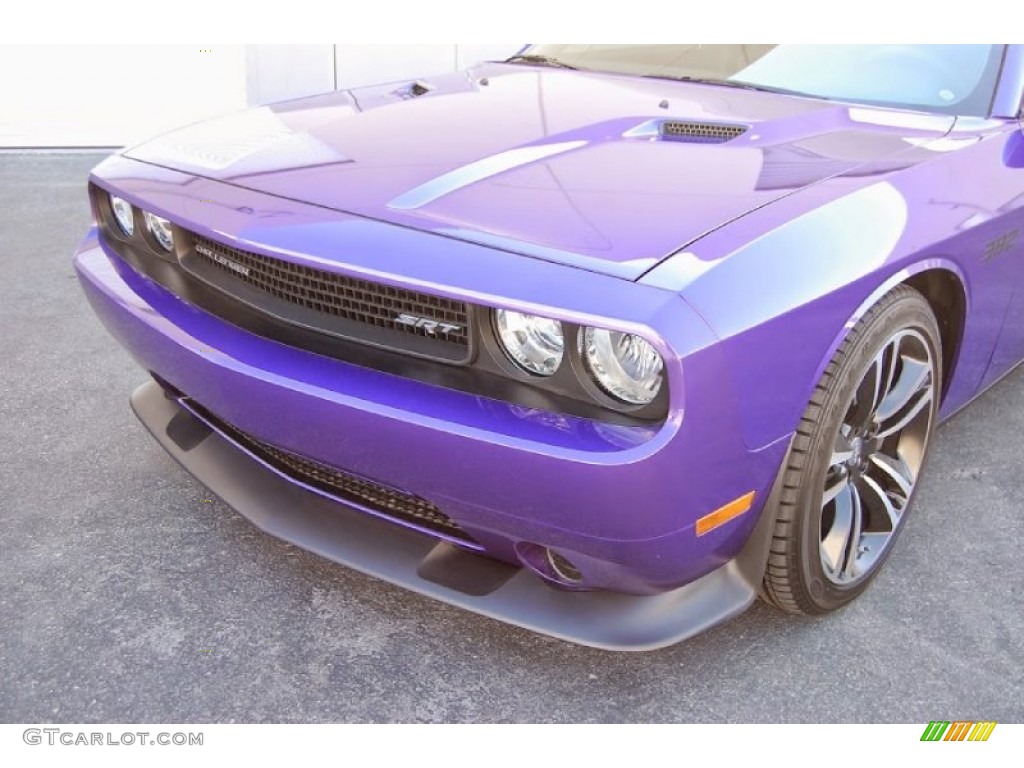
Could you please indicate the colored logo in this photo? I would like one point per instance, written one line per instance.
(958, 731)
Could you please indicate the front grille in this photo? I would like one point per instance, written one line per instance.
(397, 318)
(702, 133)
(386, 502)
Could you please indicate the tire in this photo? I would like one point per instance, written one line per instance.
(856, 459)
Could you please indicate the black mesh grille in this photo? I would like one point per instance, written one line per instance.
(386, 501)
(334, 303)
(704, 133)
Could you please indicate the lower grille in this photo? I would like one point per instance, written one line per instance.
(387, 502)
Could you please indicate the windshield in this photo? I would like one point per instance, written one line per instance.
(952, 79)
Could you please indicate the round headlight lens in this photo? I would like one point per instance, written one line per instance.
(534, 343)
(624, 365)
(160, 229)
(124, 214)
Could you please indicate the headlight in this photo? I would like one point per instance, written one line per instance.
(160, 229)
(534, 343)
(124, 214)
(624, 365)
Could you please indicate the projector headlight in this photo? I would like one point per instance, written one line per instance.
(123, 214)
(535, 344)
(160, 229)
(625, 366)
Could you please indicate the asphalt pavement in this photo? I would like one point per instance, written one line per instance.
(126, 597)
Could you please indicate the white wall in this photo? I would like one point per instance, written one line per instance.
(365, 64)
(75, 96)
(279, 72)
(110, 95)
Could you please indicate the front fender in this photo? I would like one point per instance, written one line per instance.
(783, 301)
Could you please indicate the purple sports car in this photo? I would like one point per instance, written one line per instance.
(601, 340)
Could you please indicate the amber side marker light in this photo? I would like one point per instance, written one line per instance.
(723, 515)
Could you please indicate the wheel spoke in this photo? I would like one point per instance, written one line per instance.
(835, 542)
(875, 385)
(917, 403)
(875, 381)
(856, 528)
(836, 485)
(914, 378)
(893, 368)
(868, 392)
(887, 361)
(896, 470)
(884, 500)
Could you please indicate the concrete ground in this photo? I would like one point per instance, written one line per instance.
(124, 597)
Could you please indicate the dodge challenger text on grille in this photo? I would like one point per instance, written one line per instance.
(601, 340)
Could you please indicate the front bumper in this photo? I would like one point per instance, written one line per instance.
(439, 569)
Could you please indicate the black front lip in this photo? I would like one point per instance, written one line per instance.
(439, 569)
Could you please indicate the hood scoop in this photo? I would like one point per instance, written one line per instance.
(694, 132)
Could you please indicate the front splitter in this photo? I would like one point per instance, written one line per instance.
(420, 563)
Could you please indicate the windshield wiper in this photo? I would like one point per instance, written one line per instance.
(542, 61)
(729, 84)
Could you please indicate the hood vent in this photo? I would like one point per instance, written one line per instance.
(700, 133)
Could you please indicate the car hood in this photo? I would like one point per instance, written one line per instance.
(605, 172)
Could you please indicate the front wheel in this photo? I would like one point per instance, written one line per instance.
(856, 458)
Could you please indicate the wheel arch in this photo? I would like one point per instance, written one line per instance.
(944, 287)
(945, 292)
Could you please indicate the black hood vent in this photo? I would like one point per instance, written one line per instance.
(700, 133)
